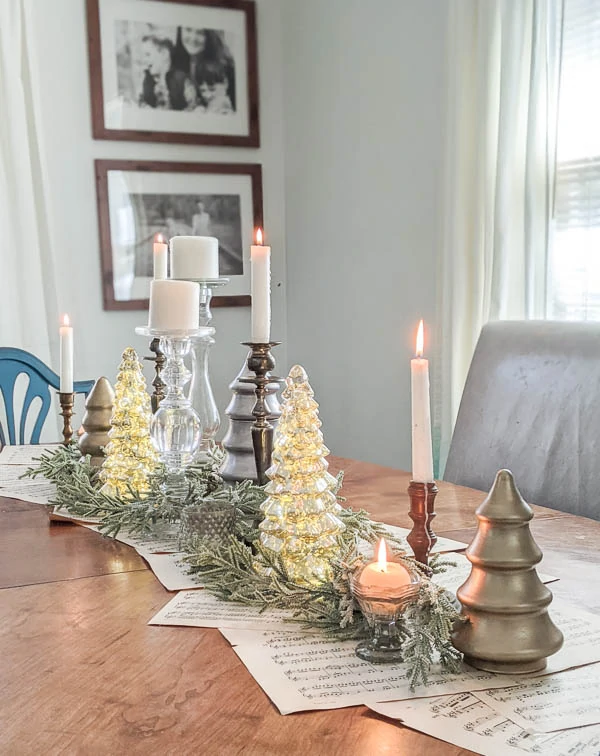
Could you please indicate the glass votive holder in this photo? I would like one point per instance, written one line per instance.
(211, 521)
(383, 595)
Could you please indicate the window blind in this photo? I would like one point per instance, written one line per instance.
(574, 260)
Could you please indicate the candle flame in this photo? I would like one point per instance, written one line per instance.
(259, 237)
(382, 556)
(159, 238)
(66, 321)
(419, 350)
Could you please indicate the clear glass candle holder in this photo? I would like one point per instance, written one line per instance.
(383, 608)
(212, 521)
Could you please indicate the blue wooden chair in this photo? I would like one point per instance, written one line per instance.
(14, 362)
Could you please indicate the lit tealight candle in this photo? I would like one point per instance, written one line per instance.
(66, 356)
(260, 258)
(161, 255)
(381, 576)
(422, 451)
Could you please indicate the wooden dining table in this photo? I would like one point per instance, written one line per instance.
(83, 673)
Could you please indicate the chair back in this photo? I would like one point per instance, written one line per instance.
(13, 363)
(531, 404)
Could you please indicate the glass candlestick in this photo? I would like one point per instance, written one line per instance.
(175, 427)
(200, 392)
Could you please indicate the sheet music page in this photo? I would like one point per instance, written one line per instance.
(314, 672)
(169, 570)
(553, 702)
(442, 544)
(467, 722)
(25, 455)
(582, 637)
(238, 636)
(36, 493)
(11, 474)
(201, 609)
(166, 541)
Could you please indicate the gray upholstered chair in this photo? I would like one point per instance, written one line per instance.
(532, 404)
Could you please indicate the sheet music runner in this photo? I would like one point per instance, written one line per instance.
(558, 702)
(465, 721)
(314, 672)
(27, 454)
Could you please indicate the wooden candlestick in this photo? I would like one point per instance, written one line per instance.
(421, 538)
(66, 404)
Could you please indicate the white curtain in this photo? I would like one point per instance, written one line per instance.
(503, 73)
(28, 302)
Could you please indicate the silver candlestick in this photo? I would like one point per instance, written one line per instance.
(239, 463)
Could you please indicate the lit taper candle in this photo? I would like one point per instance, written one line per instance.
(66, 356)
(422, 452)
(260, 258)
(161, 255)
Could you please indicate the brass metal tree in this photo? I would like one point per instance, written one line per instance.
(300, 523)
(509, 629)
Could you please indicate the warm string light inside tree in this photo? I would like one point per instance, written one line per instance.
(130, 456)
(301, 523)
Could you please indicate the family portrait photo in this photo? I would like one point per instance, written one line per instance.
(137, 200)
(175, 68)
(174, 71)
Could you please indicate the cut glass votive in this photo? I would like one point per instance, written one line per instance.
(383, 609)
(211, 521)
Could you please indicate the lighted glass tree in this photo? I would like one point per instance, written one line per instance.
(130, 454)
(301, 523)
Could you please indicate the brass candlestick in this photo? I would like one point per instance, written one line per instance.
(421, 538)
(261, 362)
(67, 400)
(159, 361)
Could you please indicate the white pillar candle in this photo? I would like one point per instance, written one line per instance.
(422, 451)
(66, 356)
(194, 257)
(161, 255)
(174, 305)
(260, 258)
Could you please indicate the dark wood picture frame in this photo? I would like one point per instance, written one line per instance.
(102, 167)
(99, 130)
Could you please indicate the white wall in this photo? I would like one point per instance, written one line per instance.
(100, 337)
(363, 99)
(359, 87)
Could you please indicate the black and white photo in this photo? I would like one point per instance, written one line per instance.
(164, 71)
(137, 200)
(171, 215)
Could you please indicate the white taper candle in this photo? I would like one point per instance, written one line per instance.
(260, 258)
(422, 451)
(160, 249)
(66, 356)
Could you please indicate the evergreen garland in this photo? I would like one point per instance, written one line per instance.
(243, 571)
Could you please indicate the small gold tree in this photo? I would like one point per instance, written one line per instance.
(130, 455)
(301, 524)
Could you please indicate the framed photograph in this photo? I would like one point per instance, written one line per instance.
(174, 71)
(138, 199)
